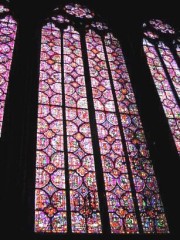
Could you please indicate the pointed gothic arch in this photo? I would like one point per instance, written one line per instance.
(88, 121)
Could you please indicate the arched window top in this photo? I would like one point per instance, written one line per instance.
(161, 26)
(151, 35)
(156, 29)
(78, 16)
(99, 25)
(79, 11)
(93, 169)
(60, 19)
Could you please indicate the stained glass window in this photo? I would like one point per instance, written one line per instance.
(94, 172)
(162, 58)
(7, 38)
(178, 50)
(82, 176)
(79, 11)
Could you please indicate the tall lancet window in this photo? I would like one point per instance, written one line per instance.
(7, 38)
(162, 50)
(94, 173)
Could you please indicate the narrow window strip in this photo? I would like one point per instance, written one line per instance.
(8, 29)
(85, 212)
(152, 212)
(50, 196)
(178, 50)
(118, 191)
(171, 66)
(170, 106)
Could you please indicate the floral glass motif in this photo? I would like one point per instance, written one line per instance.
(66, 184)
(79, 141)
(166, 74)
(79, 11)
(161, 26)
(151, 35)
(60, 19)
(99, 25)
(8, 29)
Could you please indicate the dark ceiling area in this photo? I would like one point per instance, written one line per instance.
(114, 12)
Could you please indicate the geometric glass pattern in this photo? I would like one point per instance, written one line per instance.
(171, 66)
(79, 11)
(117, 184)
(50, 202)
(162, 59)
(141, 168)
(8, 29)
(159, 25)
(82, 178)
(88, 131)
